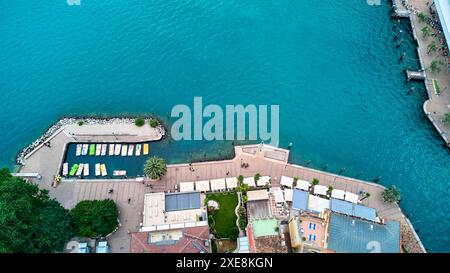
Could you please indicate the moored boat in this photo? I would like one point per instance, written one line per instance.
(111, 149)
(98, 149)
(138, 149)
(130, 150)
(65, 171)
(119, 173)
(103, 170)
(97, 169)
(85, 149)
(78, 152)
(124, 150)
(145, 148)
(104, 147)
(117, 149)
(86, 169)
(80, 169)
(92, 149)
(73, 170)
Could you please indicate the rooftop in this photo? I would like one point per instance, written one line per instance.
(351, 235)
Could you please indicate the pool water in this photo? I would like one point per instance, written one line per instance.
(332, 67)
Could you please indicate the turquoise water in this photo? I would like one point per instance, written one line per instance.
(331, 66)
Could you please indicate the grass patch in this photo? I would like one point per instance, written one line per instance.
(223, 220)
(437, 89)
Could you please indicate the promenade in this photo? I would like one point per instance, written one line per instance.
(437, 104)
(265, 160)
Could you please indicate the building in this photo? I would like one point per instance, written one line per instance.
(184, 240)
(258, 205)
(308, 232)
(264, 236)
(173, 223)
(352, 235)
(443, 11)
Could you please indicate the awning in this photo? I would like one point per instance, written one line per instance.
(286, 181)
(278, 194)
(250, 181)
(338, 194)
(202, 186)
(218, 184)
(186, 186)
(351, 197)
(318, 204)
(257, 195)
(303, 185)
(288, 194)
(231, 182)
(263, 180)
(321, 190)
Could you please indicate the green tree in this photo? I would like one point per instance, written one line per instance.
(30, 221)
(257, 177)
(154, 122)
(422, 17)
(240, 178)
(139, 121)
(432, 47)
(426, 31)
(155, 167)
(367, 195)
(446, 118)
(315, 181)
(391, 195)
(93, 218)
(435, 66)
(243, 188)
(330, 189)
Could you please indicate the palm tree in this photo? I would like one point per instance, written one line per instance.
(315, 181)
(155, 168)
(422, 17)
(432, 47)
(435, 66)
(330, 189)
(367, 195)
(256, 177)
(426, 31)
(391, 195)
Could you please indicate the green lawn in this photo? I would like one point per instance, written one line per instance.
(224, 221)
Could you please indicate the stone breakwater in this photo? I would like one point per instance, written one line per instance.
(45, 137)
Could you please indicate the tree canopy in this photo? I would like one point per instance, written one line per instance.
(391, 195)
(93, 218)
(30, 220)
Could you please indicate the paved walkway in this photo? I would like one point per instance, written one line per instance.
(437, 105)
(69, 193)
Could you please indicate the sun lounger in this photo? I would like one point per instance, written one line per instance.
(73, 170)
(78, 152)
(104, 147)
(117, 149)
(98, 149)
(86, 169)
(103, 170)
(80, 169)
(146, 148)
(84, 150)
(138, 149)
(97, 169)
(130, 150)
(92, 149)
(65, 171)
(124, 150)
(111, 150)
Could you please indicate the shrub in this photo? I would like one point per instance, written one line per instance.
(256, 177)
(139, 122)
(391, 195)
(93, 218)
(315, 181)
(81, 123)
(155, 167)
(446, 118)
(154, 122)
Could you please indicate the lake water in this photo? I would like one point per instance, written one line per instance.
(332, 66)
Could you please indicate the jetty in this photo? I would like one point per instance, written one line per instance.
(416, 75)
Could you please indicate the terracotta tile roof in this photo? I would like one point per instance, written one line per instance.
(187, 244)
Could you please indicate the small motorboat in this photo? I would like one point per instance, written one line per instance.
(86, 169)
(103, 170)
(117, 149)
(104, 147)
(124, 150)
(92, 149)
(78, 152)
(138, 149)
(65, 171)
(80, 169)
(120, 173)
(130, 150)
(145, 148)
(97, 169)
(73, 170)
(84, 150)
(111, 150)
(98, 149)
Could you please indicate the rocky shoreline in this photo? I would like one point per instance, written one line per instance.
(75, 120)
